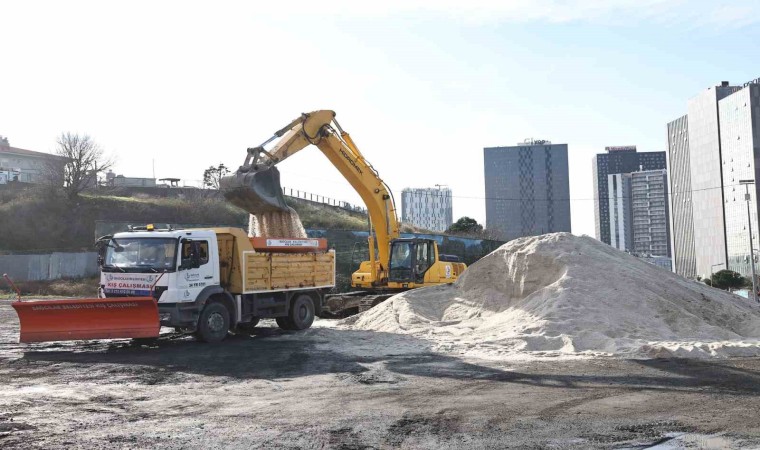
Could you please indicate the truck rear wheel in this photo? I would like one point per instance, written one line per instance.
(302, 312)
(214, 323)
(284, 323)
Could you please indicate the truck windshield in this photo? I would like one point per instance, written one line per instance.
(141, 254)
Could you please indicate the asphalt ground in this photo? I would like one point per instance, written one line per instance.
(344, 389)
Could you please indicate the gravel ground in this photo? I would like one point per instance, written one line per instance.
(332, 388)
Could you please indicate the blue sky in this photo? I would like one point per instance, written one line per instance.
(421, 86)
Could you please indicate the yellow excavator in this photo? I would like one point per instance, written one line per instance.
(395, 264)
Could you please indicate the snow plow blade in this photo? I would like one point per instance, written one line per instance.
(87, 318)
(255, 191)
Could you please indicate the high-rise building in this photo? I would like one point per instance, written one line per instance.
(428, 208)
(527, 189)
(619, 159)
(707, 178)
(739, 116)
(620, 224)
(638, 211)
(711, 150)
(698, 232)
(681, 214)
(649, 206)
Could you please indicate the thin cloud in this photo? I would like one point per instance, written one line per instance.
(688, 13)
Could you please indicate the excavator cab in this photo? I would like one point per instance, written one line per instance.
(410, 260)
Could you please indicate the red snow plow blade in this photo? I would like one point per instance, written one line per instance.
(87, 318)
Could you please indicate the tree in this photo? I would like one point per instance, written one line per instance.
(727, 279)
(80, 160)
(213, 175)
(465, 225)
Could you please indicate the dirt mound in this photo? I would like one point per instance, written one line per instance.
(561, 294)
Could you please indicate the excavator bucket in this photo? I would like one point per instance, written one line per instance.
(256, 191)
(87, 318)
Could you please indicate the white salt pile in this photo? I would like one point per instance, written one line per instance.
(560, 294)
(277, 224)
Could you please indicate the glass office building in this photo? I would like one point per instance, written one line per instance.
(527, 189)
(616, 160)
(740, 144)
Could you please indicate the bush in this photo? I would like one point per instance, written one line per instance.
(727, 279)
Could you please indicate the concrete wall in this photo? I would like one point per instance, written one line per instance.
(50, 266)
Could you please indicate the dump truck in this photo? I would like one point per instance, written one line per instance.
(395, 264)
(203, 281)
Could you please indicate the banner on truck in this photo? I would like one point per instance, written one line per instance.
(129, 283)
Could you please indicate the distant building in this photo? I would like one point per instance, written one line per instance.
(122, 181)
(428, 208)
(27, 166)
(710, 150)
(638, 211)
(649, 205)
(527, 189)
(739, 118)
(620, 222)
(616, 160)
(707, 177)
(659, 261)
(681, 213)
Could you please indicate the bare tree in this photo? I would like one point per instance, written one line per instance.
(79, 163)
(212, 175)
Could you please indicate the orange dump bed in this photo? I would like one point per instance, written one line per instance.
(87, 318)
(283, 245)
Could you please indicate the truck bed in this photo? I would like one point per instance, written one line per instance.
(264, 272)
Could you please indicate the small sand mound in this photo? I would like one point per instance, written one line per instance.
(277, 224)
(560, 294)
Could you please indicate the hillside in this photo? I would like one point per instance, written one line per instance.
(36, 222)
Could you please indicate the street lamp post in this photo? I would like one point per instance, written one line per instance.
(746, 184)
(712, 272)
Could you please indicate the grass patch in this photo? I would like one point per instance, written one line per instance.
(78, 287)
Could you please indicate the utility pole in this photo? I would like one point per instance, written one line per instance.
(746, 184)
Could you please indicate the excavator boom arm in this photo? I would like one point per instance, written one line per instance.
(319, 128)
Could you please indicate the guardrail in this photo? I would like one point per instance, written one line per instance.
(303, 195)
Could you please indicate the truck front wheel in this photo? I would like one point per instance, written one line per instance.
(302, 313)
(214, 323)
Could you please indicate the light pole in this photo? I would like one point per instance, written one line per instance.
(712, 272)
(746, 184)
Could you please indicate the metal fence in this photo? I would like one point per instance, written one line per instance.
(289, 192)
(51, 266)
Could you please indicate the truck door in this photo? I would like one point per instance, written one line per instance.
(196, 268)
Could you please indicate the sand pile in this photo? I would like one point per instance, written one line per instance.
(277, 224)
(560, 294)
